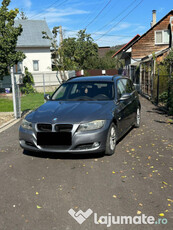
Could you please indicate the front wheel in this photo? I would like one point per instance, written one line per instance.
(111, 140)
(138, 118)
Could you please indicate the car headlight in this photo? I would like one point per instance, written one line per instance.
(26, 124)
(93, 125)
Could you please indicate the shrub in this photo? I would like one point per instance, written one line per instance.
(28, 82)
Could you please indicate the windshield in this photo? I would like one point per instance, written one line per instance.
(87, 91)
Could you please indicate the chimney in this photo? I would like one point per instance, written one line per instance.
(154, 18)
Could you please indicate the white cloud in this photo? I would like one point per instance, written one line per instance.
(104, 41)
(139, 29)
(53, 15)
(122, 26)
(112, 41)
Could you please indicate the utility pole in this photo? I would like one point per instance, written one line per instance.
(13, 82)
(60, 35)
(56, 30)
(63, 77)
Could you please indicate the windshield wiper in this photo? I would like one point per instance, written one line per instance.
(85, 99)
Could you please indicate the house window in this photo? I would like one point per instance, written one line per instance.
(19, 67)
(35, 65)
(162, 37)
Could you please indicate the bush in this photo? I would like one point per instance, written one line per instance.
(163, 97)
(28, 82)
(168, 100)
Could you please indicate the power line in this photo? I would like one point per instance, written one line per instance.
(98, 14)
(40, 12)
(88, 17)
(120, 20)
(117, 15)
(111, 35)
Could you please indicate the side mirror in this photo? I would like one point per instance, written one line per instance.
(125, 97)
(47, 97)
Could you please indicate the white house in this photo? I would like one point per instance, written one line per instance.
(36, 49)
(38, 57)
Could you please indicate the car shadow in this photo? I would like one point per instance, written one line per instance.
(63, 156)
(126, 134)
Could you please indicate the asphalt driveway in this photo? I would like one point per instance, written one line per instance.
(38, 190)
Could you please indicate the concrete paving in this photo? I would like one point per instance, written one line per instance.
(5, 117)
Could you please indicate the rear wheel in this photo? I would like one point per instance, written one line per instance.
(138, 118)
(111, 140)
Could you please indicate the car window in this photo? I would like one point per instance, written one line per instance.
(128, 85)
(60, 92)
(120, 89)
(85, 91)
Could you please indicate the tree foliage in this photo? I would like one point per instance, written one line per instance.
(85, 50)
(164, 66)
(8, 38)
(82, 53)
(28, 82)
(76, 53)
(22, 16)
(165, 70)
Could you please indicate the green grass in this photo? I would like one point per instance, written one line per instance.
(6, 105)
(28, 102)
(31, 101)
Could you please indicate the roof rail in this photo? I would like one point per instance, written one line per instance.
(74, 78)
(114, 76)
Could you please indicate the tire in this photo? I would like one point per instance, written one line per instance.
(138, 118)
(111, 140)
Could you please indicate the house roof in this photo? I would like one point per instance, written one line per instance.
(127, 46)
(171, 12)
(32, 33)
(157, 54)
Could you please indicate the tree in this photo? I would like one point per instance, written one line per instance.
(57, 52)
(77, 53)
(72, 53)
(8, 39)
(23, 16)
(85, 50)
(82, 53)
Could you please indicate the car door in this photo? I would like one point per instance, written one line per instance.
(130, 102)
(121, 109)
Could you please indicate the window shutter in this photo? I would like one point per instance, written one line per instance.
(166, 36)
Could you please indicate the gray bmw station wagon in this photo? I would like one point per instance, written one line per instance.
(85, 114)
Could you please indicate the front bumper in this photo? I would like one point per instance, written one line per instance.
(82, 142)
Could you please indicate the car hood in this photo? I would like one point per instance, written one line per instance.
(72, 111)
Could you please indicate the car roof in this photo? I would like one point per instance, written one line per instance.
(102, 78)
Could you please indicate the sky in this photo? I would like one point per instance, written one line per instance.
(110, 22)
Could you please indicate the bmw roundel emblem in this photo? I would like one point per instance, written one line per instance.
(55, 119)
